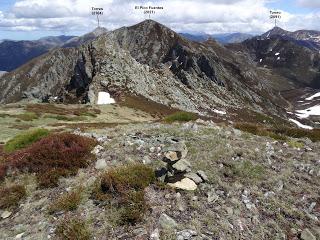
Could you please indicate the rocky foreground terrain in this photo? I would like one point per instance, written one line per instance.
(212, 181)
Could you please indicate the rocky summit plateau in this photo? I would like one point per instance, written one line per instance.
(142, 133)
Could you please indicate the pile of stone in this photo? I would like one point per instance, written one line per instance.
(178, 173)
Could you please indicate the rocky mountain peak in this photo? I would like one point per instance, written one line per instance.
(275, 31)
(77, 41)
(99, 31)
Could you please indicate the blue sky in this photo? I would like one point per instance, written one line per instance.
(32, 19)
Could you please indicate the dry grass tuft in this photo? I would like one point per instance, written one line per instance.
(67, 202)
(125, 185)
(73, 229)
(11, 195)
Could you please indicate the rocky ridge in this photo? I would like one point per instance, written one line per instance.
(147, 60)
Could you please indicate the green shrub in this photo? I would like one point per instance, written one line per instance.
(28, 116)
(313, 135)
(11, 195)
(25, 139)
(295, 144)
(67, 202)
(181, 117)
(259, 131)
(73, 229)
(248, 171)
(126, 185)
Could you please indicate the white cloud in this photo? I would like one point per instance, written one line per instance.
(309, 3)
(182, 15)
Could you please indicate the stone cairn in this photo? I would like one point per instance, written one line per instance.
(178, 173)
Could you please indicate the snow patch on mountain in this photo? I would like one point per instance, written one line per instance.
(313, 96)
(105, 98)
(219, 112)
(299, 124)
(312, 111)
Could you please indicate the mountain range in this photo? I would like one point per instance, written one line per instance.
(293, 55)
(150, 61)
(147, 60)
(225, 38)
(13, 54)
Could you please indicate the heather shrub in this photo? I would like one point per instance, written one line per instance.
(313, 135)
(52, 157)
(181, 117)
(125, 178)
(11, 195)
(25, 139)
(134, 207)
(67, 202)
(73, 229)
(124, 186)
(3, 170)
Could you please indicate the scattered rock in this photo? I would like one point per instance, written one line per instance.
(146, 160)
(180, 203)
(101, 164)
(98, 149)
(179, 147)
(212, 196)
(186, 234)
(171, 156)
(203, 175)
(182, 166)
(155, 235)
(195, 177)
(167, 222)
(312, 206)
(6, 214)
(307, 235)
(19, 236)
(185, 184)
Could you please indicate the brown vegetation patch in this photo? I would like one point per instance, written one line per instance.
(124, 186)
(156, 110)
(67, 202)
(279, 132)
(11, 195)
(62, 110)
(55, 156)
(73, 229)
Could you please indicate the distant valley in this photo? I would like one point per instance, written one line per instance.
(13, 54)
